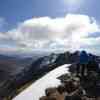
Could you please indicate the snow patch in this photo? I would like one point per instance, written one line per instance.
(37, 89)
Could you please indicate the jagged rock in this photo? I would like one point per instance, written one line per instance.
(43, 98)
(50, 91)
(52, 94)
(52, 98)
(61, 89)
(76, 97)
(76, 88)
(70, 87)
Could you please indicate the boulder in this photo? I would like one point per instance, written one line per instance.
(50, 91)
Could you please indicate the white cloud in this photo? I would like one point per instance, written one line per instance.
(65, 33)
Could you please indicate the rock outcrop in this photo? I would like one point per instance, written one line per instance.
(75, 87)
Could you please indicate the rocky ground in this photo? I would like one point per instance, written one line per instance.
(75, 87)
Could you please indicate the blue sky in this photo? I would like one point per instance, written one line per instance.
(14, 11)
(18, 16)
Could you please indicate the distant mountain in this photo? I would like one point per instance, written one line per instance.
(13, 71)
(6, 57)
(55, 59)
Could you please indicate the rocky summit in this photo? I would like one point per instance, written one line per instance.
(75, 87)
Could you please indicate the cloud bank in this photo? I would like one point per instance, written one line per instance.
(45, 33)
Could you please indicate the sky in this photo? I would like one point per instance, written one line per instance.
(51, 25)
